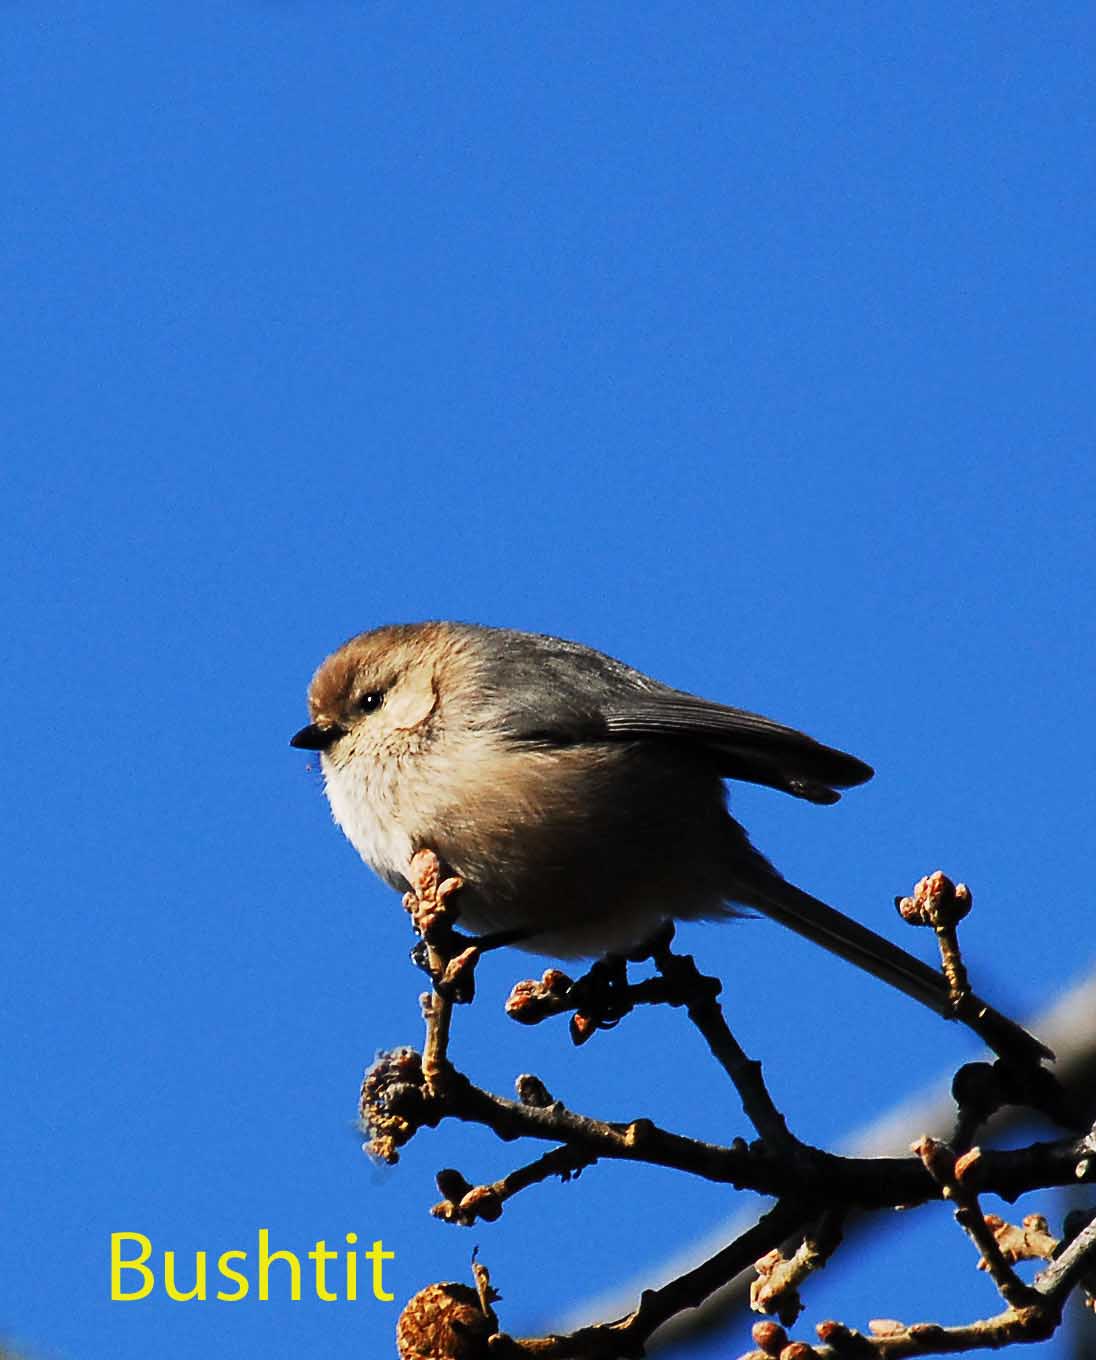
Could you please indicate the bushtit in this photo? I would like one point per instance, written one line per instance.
(581, 802)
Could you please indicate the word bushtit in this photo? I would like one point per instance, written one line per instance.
(580, 801)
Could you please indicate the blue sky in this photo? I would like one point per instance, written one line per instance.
(752, 344)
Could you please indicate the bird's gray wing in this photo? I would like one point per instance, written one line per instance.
(544, 689)
(741, 745)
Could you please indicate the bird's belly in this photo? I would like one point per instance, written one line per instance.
(589, 851)
(368, 816)
(571, 916)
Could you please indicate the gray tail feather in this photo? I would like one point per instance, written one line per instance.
(833, 930)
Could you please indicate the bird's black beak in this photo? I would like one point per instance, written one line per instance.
(316, 738)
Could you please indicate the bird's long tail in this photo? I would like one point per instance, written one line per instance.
(833, 930)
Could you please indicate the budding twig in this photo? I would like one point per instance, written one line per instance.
(942, 904)
(776, 1289)
(939, 1161)
(464, 1203)
(450, 959)
(602, 998)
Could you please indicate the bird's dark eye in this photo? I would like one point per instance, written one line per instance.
(370, 702)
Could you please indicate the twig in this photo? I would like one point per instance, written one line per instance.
(464, 1203)
(776, 1289)
(639, 1140)
(1035, 1318)
(1067, 1268)
(1013, 1172)
(939, 1161)
(697, 993)
(602, 999)
(450, 959)
(437, 1011)
(942, 904)
(600, 1002)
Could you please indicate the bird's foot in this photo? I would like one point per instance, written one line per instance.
(601, 998)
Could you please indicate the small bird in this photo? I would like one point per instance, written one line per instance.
(581, 802)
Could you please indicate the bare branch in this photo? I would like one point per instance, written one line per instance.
(1067, 1025)
(403, 1093)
